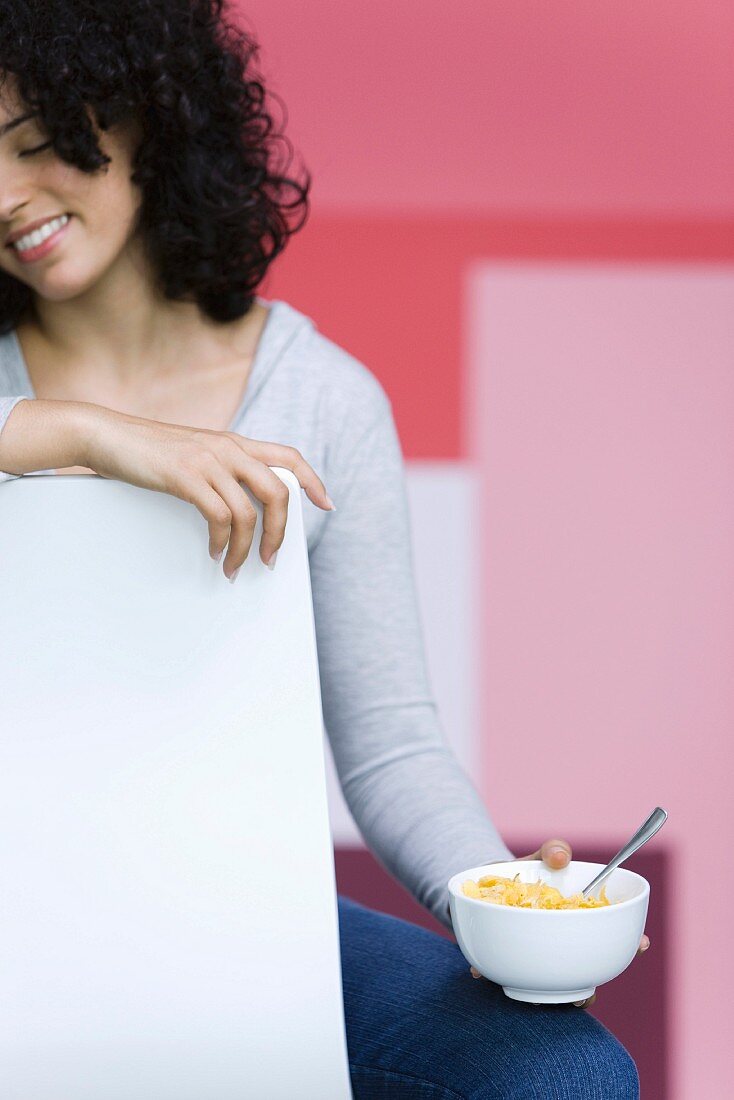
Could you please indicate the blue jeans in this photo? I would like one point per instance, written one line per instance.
(419, 1027)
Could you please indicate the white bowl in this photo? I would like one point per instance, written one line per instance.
(550, 956)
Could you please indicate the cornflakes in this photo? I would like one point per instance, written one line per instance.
(529, 895)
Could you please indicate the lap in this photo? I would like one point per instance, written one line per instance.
(419, 1026)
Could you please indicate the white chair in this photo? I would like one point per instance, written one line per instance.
(168, 915)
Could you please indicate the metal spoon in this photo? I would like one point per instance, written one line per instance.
(657, 818)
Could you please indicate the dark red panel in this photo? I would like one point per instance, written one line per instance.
(634, 1006)
(389, 290)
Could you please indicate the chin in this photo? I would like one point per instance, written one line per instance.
(59, 287)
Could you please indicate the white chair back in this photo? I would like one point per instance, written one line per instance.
(168, 910)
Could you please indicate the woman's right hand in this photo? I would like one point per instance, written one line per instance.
(204, 467)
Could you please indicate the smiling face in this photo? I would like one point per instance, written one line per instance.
(35, 184)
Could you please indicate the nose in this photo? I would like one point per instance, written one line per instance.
(9, 215)
(15, 195)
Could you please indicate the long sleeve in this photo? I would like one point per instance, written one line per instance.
(7, 404)
(414, 804)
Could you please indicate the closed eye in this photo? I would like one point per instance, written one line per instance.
(38, 149)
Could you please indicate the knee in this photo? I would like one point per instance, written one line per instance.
(615, 1075)
(591, 1066)
(578, 1063)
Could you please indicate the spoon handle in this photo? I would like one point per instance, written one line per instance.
(657, 818)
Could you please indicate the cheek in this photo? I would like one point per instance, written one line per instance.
(67, 182)
(102, 206)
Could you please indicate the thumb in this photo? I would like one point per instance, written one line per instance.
(555, 852)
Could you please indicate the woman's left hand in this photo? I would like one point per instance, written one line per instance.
(557, 853)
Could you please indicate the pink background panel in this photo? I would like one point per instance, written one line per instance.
(601, 412)
(479, 105)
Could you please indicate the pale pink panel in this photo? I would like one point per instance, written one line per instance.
(524, 107)
(600, 408)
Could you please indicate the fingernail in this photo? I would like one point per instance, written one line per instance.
(218, 557)
(330, 502)
(554, 851)
(271, 560)
(645, 946)
(233, 578)
(579, 1004)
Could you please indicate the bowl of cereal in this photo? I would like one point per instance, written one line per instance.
(528, 928)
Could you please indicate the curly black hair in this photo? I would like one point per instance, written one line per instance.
(213, 213)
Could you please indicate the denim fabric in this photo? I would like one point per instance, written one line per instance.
(419, 1027)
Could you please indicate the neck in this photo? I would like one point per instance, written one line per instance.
(124, 328)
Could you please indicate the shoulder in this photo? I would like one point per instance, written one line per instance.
(346, 388)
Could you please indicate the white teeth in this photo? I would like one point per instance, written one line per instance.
(32, 240)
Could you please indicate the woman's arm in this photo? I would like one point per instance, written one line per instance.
(38, 435)
(7, 404)
(416, 808)
(206, 468)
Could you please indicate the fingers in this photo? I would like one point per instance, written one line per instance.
(644, 944)
(579, 1004)
(268, 488)
(279, 454)
(221, 498)
(274, 495)
(215, 478)
(242, 524)
(214, 510)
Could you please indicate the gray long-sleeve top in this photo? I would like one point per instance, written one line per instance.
(415, 806)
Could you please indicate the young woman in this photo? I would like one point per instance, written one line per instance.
(140, 208)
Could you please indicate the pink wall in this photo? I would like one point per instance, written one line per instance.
(596, 399)
(604, 427)
(524, 107)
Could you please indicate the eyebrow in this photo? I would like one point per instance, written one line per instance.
(8, 126)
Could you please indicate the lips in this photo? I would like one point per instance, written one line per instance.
(13, 237)
(40, 251)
